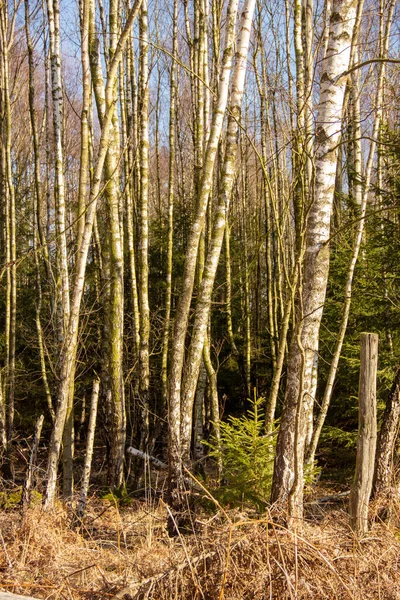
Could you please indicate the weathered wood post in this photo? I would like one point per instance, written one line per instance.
(366, 445)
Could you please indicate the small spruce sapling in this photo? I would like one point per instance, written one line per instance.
(247, 457)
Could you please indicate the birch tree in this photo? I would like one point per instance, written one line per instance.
(171, 193)
(362, 194)
(182, 312)
(68, 353)
(288, 480)
(144, 367)
(7, 23)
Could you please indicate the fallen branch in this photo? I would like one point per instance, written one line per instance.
(158, 464)
(162, 466)
(333, 498)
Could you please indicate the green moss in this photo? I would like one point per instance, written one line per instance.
(12, 500)
(118, 496)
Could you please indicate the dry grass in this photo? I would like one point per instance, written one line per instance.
(126, 553)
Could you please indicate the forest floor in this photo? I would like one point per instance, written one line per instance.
(125, 552)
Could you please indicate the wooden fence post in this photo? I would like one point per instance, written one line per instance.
(366, 445)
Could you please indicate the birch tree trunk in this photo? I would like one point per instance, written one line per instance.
(144, 366)
(205, 293)
(84, 10)
(131, 186)
(288, 479)
(53, 16)
(114, 291)
(69, 349)
(8, 191)
(171, 193)
(361, 194)
(87, 467)
(39, 214)
(182, 312)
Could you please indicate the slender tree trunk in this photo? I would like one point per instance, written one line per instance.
(53, 16)
(213, 395)
(144, 366)
(87, 467)
(205, 293)
(171, 193)
(6, 39)
(68, 353)
(3, 428)
(26, 492)
(288, 479)
(84, 10)
(131, 185)
(361, 194)
(182, 313)
(198, 416)
(115, 310)
(39, 213)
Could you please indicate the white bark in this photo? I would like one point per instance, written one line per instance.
(303, 357)
(171, 195)
(53, 13)
(144, 367)
(87, 467)
(361, 193)
(158, 464)
(68, 354)
(182, 313)
(210, 269)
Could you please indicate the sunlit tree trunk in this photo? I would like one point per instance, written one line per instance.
(8, 192)
(87, 467)
(84, 9)
(361, 194)
(38, 215)
(205, 293)
(115, 309)
(182, 312)
(69, 349)
(288, 480)
(113, 288)
(131, 187)
(171, 193)
(53, 16)
(144, 366)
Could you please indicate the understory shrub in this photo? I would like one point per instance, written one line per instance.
(247, 458)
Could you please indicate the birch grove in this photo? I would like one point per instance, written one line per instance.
(199, 215)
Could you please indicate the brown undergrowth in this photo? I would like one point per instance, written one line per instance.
(126, 553)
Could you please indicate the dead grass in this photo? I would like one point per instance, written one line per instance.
(126, 553)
